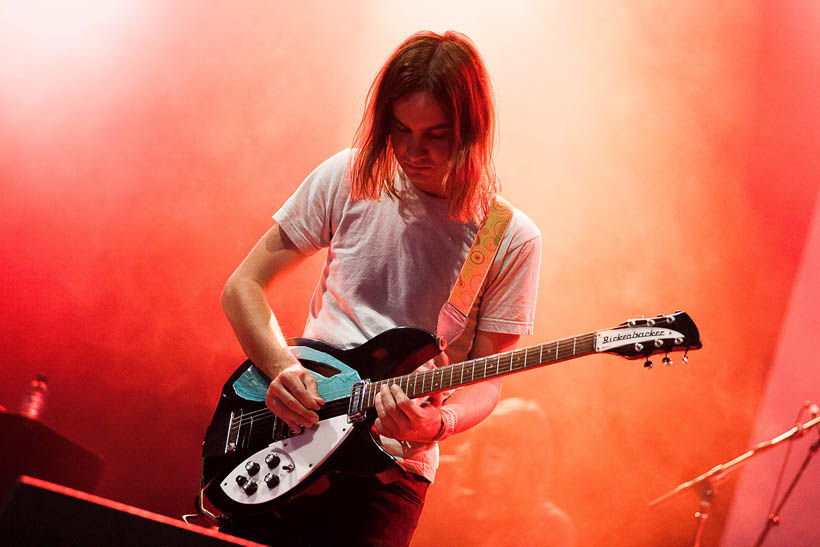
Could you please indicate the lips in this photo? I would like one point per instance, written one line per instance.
(417, 167)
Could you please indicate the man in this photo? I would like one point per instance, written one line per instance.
(398, 214)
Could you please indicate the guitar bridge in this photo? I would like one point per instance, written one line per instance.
(355, 412)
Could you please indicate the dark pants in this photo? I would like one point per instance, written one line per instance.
(352, 511)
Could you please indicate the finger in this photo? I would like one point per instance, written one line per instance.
(393, 412)
(313, 388)
(282, 391)
(386, 409)
(403, 403)
(282, 412)
(295, 381)
(436, 400)
(441, 360)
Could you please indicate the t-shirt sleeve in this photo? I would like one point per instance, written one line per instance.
(508, 303)
(310, 215)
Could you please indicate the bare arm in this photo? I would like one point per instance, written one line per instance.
(292, 394)
(475, 402)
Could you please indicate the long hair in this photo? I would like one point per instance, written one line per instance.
(450, 68)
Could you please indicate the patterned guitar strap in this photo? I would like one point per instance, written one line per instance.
(452, 319)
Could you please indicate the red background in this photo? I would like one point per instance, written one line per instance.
(667, 152)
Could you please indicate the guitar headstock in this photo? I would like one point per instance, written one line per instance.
(640, 338)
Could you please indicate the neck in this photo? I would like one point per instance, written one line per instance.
(419, 384)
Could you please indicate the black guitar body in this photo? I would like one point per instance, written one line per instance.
(243, 432)
(252, 463)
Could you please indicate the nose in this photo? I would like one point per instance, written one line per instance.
(416, 147)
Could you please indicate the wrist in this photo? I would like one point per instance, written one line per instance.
(449, 420)
(278, 361)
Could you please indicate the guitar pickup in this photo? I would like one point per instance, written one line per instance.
(356, 410)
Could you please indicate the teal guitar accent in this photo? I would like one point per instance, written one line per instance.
(252, 385)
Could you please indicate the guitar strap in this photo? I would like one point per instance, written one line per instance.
(452, 319)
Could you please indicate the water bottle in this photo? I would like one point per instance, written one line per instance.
(35, 398)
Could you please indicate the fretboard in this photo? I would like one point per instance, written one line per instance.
(418, 384)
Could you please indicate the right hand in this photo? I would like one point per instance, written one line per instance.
(293, 396)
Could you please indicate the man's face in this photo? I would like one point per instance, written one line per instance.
(420, 134)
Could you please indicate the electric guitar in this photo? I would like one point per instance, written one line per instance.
(251, 462)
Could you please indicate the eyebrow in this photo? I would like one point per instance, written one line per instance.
(434, 128)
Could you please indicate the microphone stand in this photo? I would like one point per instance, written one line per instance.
(704, 482)
(774, 518)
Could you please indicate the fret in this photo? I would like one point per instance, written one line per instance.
(503, 363)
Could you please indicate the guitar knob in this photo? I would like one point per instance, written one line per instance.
(272, 460)
(241, 480)
(271, 480)
(252, 468)
(250, 487)
(648, 364)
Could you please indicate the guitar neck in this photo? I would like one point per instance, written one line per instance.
(418, 384)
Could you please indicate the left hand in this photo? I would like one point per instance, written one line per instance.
(404, 419)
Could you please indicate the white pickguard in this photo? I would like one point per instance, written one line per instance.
(299, 457)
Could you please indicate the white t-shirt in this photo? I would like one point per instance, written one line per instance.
(393, 262)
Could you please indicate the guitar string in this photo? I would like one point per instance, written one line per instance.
(478, 361)
(426, 375)
(430, 374)
(514, 354)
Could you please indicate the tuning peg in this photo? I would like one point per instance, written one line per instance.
(648, 364)
(685, 357)
(667, 361)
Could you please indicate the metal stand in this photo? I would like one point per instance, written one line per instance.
(774, 518)
(704, 482)
(707, 494)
